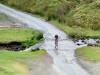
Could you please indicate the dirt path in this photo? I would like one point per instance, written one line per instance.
(64, 60)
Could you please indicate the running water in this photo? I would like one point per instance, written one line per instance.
(63, 58)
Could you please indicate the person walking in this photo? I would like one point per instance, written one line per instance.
(56, 41)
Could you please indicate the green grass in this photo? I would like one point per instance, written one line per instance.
(89, 53)
(10, 66)
(16, 34)
(27, 37)
(76, 31)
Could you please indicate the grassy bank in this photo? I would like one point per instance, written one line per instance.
(26, 37)
(10, 66)
(76, 31)
(89, 53)
(16, 34)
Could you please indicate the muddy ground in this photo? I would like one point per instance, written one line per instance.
(92, 66)
(41, 65)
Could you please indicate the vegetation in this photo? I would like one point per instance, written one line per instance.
(77, 15)
(89, 53)
(10, 66)
(26, 37)
(51, 7)
(77, 32)
(87, 15)
(16, 34)
(0, 17)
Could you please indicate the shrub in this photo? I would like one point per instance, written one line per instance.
(37, 49)
(74, 35)
(40, 36)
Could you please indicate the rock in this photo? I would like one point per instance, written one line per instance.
(98, 41)
(90, 44)
(82, 38)
(83, 41)
(78, 44)
(76, 40)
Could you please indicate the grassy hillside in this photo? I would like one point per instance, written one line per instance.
(75, 32)
(73, 14)
(52, 8)
(87, 15)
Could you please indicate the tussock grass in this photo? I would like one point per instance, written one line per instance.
(54, 9)
(76, 31)
(89, 53)
(87, 15)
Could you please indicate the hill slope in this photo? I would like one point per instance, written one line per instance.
(87, 15)
(81, 15)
